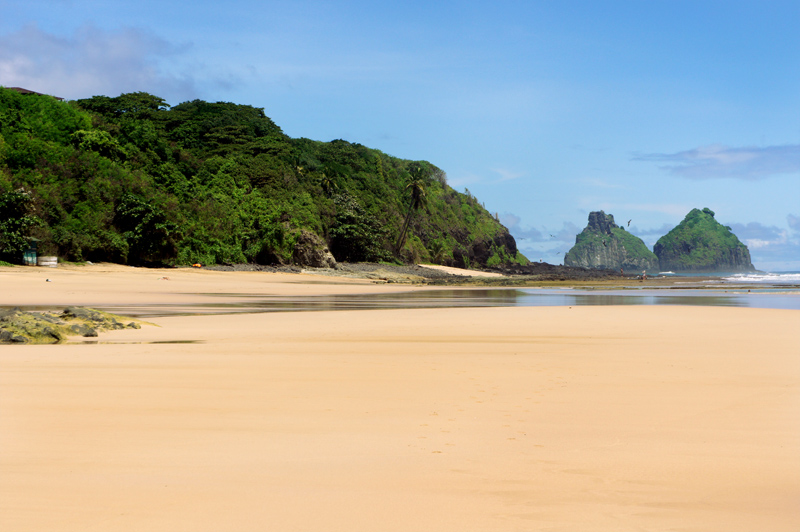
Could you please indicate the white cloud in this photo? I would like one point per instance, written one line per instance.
(770, 246)
(511, 221)
(717, 161)
(463, 180)
(754, 243)
(91, 62)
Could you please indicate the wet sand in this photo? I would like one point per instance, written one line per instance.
(550, 418)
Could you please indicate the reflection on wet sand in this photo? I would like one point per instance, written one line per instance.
(460, 298)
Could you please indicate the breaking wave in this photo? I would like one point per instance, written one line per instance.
(765, 278)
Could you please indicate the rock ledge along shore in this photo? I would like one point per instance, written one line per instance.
(417, 274)
(32, 327)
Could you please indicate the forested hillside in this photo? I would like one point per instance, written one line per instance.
(132, 180)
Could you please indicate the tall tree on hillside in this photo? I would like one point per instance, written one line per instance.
(328, 183)
(416, 187)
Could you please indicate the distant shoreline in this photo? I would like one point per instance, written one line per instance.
(535, 274)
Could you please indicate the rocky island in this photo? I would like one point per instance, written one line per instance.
(701, 244)
(603, 245)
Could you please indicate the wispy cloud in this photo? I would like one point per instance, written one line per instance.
(468, 179)
(717, 161)
(463, 180)
(794, 222)
(90, 62)
(507, 175)
(652, 233)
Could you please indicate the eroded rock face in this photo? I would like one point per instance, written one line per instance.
(479, 252)
(312, 251)
(603, 245)
(701, 244)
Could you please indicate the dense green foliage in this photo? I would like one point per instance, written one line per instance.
(603, 244)
(15, 223)
(131, 179)
(635, 247)
(700, 243)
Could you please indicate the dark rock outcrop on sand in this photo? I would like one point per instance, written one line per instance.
(18, 326)
(311, 250)
(481, 250)
(701, 244)
(543, 271)
(603, 245)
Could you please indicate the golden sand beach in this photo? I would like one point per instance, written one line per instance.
(470, 419)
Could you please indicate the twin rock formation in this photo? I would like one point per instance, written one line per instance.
(698, 244)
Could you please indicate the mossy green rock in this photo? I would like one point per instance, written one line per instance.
(701, 244)
(603, 245)
(18, 326)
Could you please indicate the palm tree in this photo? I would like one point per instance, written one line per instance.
(437, 250)
(416, 185)
(328, 183)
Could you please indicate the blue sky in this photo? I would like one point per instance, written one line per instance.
(544, 110)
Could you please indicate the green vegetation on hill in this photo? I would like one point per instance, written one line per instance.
(130, 179)
(635, 247)
(701, 244)
(604, 245)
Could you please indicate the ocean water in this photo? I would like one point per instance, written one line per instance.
(732, 297)
(762, 278)
(780, 290)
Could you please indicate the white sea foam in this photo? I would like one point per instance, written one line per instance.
(765, 278)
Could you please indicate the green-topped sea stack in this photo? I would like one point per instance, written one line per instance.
(603, 245)
(701, 244)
